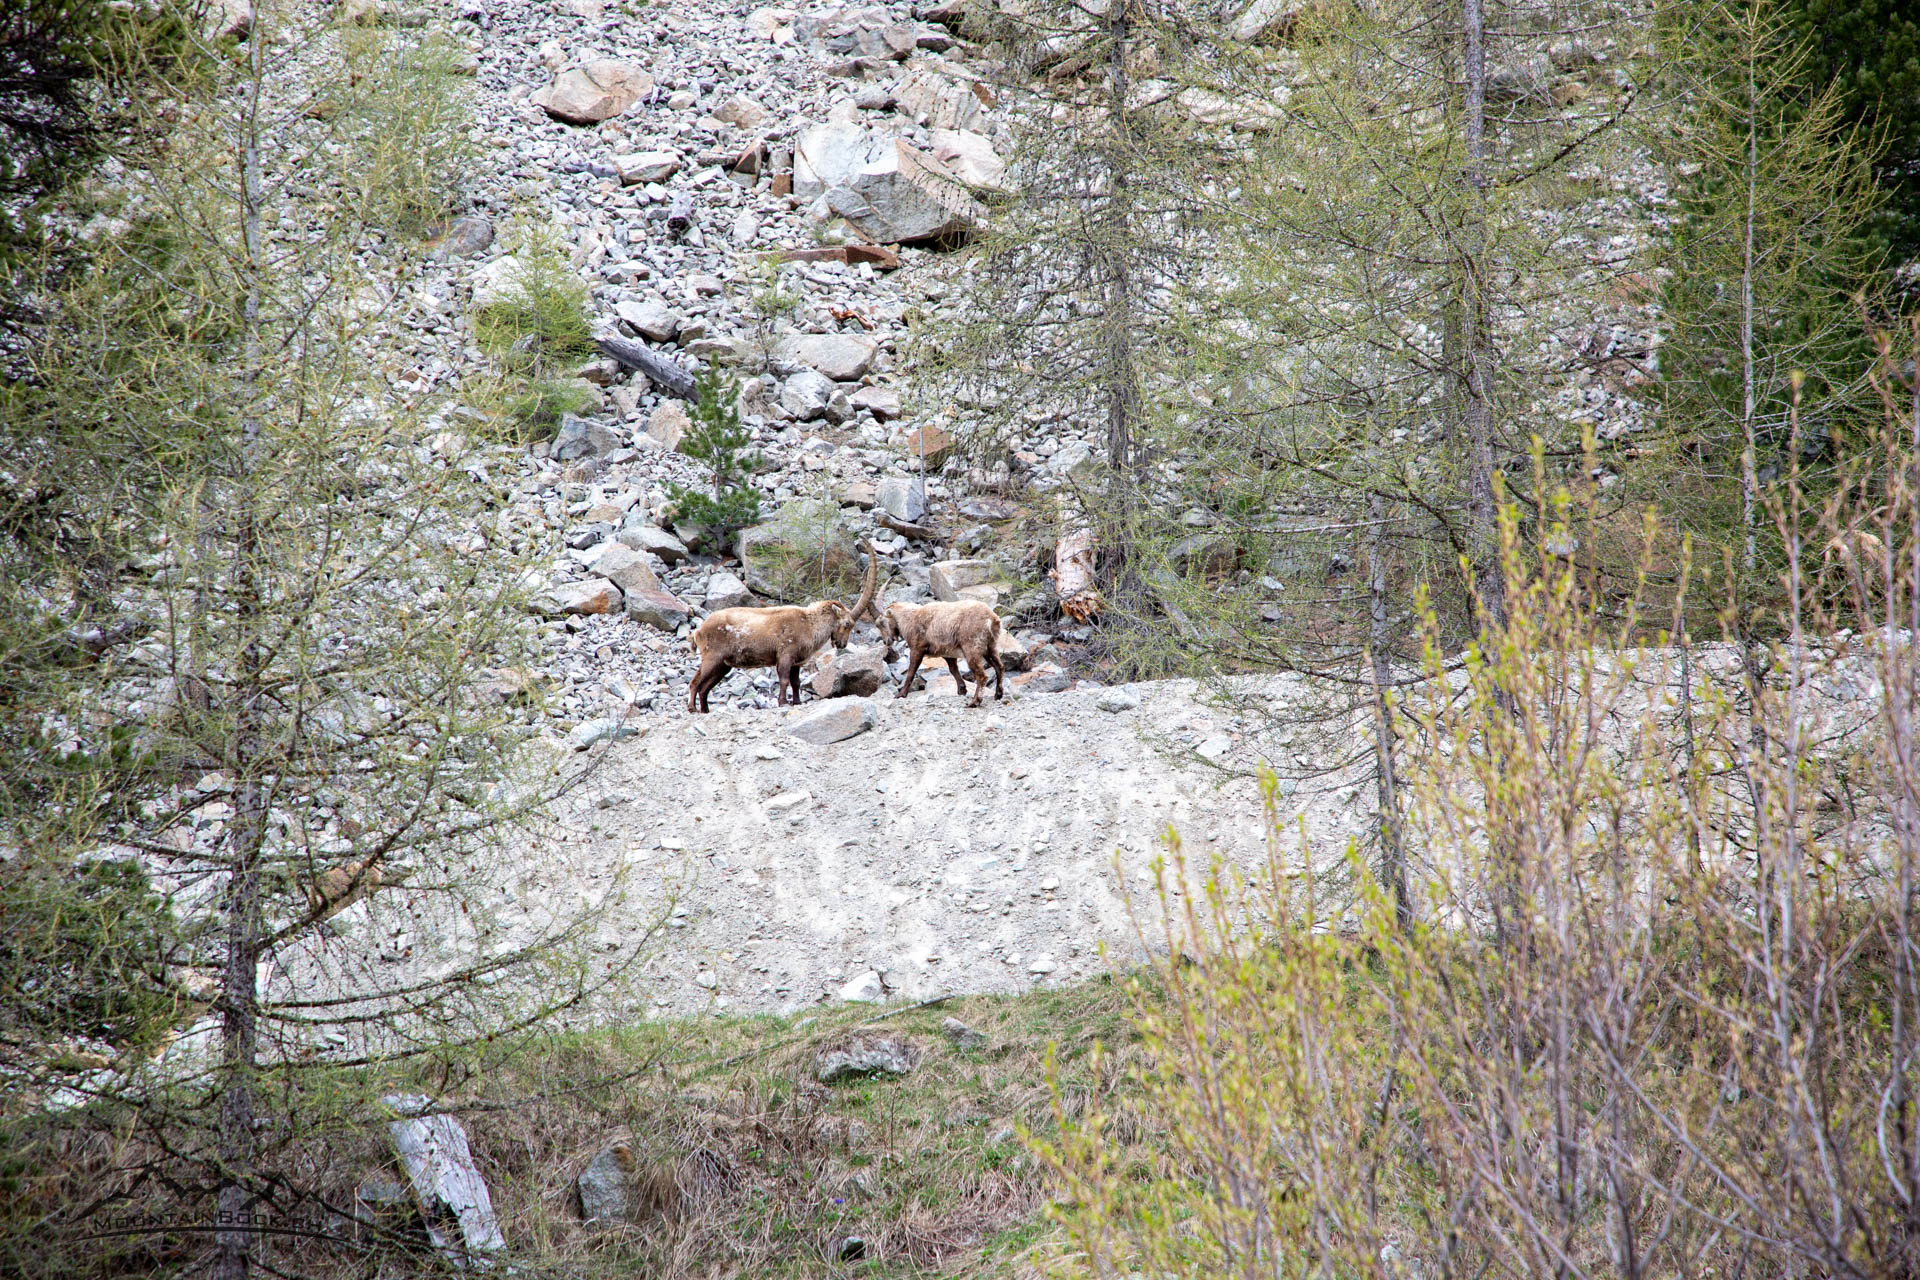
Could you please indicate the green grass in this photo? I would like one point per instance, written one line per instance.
(764, 1169)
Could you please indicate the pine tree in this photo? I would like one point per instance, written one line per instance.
(719, 440)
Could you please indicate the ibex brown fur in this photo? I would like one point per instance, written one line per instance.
(782, 637)
(950, 630)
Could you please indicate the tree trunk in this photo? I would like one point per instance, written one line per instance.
(1073, 576)
(1393, 848)
(1476, 337)
(240, 981)
(1749, 465)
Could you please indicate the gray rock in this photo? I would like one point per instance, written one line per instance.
(650, 318)
(660, 609)
(1042, 965)
(906, 196)
(581, 438)
(598, 91)
(500, 282)
(464, 238)
(1074, 463)
(594, 596)
(1207, 554)
(970, 157)
(837, 723)
(588, 535)
(1117, 700)
(1013, 654)
(639, 167)
(740, 110)
(962, 1036)
(600, 729)
(642, 536)
(724, 591)
(901, 498)
(857, 673)
(1049, 680)
(882, 402)
(843, 357)
(877, 1055)
(668, 425)
(980, 580)
(806, 394)
(867, 988)
(605, 1197)
(1266, 20)
(625, 568)
(828, 155)
(788, 554)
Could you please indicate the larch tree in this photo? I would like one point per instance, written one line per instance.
(313, 770)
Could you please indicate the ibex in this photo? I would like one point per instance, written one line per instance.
(782, 637)
(951, 630)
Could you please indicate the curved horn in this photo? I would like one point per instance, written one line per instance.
(872, 579)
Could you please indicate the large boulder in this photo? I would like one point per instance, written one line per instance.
(642, 536)
(603, 1186)
(981, 580)
(625, 568)
(582, 438)
(598, 91)
(939, 101)
(970, 157)
(725, 591)
(845, 719)
(650, 318)
(905, 196)
(806, 551)
(661, 609)
(857, 673)
(902, 498)
(843, 357)
(595, 595)
(827, 155)
(807, 394)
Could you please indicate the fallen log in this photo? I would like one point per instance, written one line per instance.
(918, 531)
(433, 1150)
(852, 254)
(1073, 576)
(666, 375)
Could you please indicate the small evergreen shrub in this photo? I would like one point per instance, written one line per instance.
(718, 439)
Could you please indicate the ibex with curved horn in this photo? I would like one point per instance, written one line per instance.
(782, 637)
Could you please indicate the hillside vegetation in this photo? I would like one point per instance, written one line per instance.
(1447, 477)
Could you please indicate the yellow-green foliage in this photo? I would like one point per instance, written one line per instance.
(1654, 1013)
(544, 321)
(405, 113)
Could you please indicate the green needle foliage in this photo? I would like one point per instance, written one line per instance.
(259, 678)
(1770, 271)
(718, 439)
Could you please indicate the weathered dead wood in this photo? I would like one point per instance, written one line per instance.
(433, 1149)
(852, 254)
(918, 531)
(1073, 576)
(680, 214)
(666, 375)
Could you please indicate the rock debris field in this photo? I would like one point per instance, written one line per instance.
(905, 848)
(942, 850)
